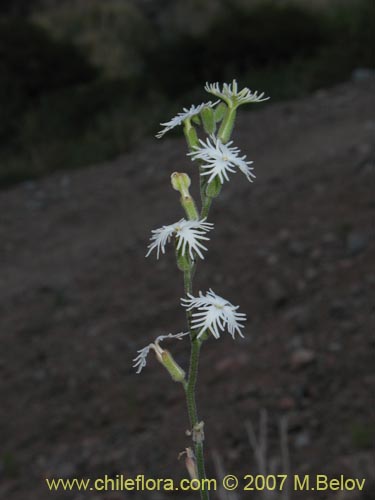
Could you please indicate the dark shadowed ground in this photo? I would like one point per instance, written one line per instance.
(295, 249)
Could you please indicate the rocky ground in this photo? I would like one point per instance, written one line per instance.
(78, 298)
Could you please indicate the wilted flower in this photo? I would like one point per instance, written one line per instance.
(141, 360)
(220, 159)
(232, 96)
(214, 314)
(188, 233)
(181, 117)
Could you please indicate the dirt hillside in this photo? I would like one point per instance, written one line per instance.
(295, 249)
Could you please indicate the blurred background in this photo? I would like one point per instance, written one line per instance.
(83, 81)
(84, 85)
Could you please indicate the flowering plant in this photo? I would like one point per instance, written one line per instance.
(207, 314)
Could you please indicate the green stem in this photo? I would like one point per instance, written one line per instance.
(191, 384)
(202, 185)
(227, 125)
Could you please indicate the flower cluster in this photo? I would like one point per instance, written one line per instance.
(217, 157)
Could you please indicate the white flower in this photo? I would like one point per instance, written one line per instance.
(188, 233)
(141, 360)
(220, 159)
(214, 314)
(181, 117)
(230, 94)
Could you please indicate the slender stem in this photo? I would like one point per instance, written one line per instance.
(202, 185)
(191, 384)
(192, 380)
(192, 140)
(195, 350)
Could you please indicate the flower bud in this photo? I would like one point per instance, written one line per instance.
(181, 182)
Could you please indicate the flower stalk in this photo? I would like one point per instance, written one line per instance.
(208, 315)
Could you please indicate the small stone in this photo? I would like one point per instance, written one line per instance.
(334, 346)
(284, 235)
(297, 248)
(295, 422)
(295, 342)
(300, 316)
(287, 403)
(232, 363)
(338, 309)
(302, 439)
(329, 238)
(316, 254)
(349, 326)
(362, 74)
(301, 358)
(275, 292)
(272, 259)
(62, 469)
(356, 243)
(311, 274)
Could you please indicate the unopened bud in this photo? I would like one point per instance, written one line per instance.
(181, 182)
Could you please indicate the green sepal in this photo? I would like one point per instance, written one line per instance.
(226, 127)
(220, 111)
(205, 336)
(190, 135)
(208, 119)
(213, 188)
(174, 369)
(188, 204)
(183, 261)
(196, 120)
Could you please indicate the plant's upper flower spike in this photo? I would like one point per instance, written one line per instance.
(188, 233)
(233, 97)
(214, 314)
(184, 115)
(220, 159)
(141, 360)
